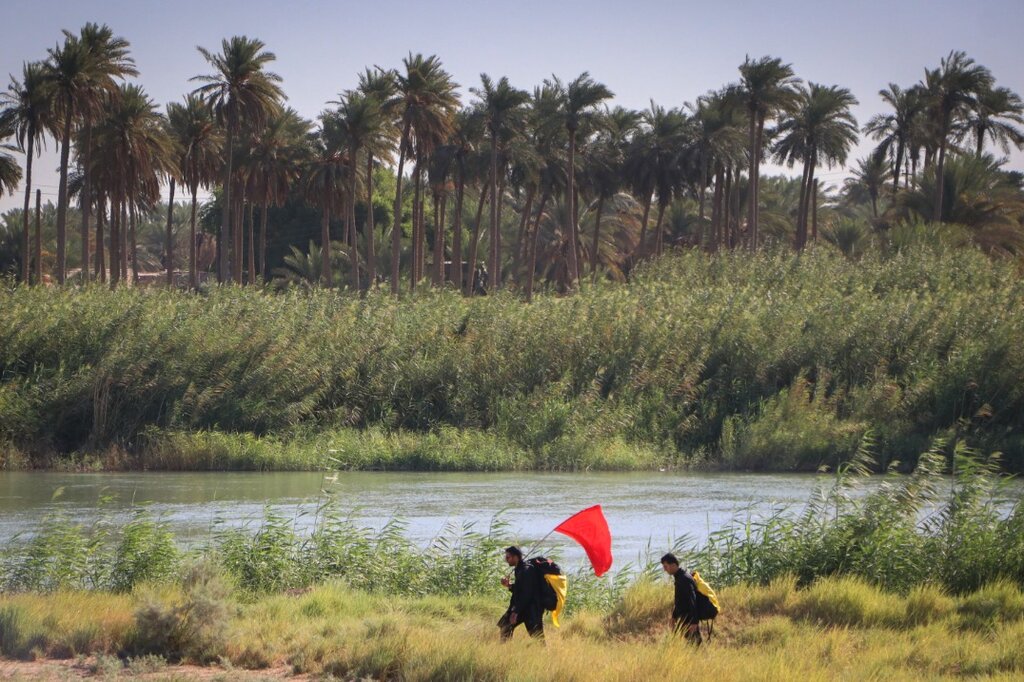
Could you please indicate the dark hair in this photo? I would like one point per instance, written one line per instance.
(670, 558)
(514, 551)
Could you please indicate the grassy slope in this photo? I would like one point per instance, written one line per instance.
(840, 628)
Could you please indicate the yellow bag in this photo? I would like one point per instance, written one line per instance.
(711, 608)
(559, 584)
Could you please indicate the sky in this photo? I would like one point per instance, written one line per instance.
(668, 51)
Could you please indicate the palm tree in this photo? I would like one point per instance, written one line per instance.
(69, 74)
(579, 101)
(503, 110)
(995, 114)
(767, 88)
(952, 90)
(720, 148)
(199, 148)
(821, 128)
(28, 113)
(467, 136)
(867, 182)
(425, 103)
(132, 152)
(107, 60)
(894, 130)
(240, 89)
(605, 167)
(275, 162)
(379, 85)
(324, 183)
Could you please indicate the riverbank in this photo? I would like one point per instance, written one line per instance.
(838, 628)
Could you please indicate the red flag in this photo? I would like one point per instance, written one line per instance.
(590, 529)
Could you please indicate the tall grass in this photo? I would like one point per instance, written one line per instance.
(768, 361)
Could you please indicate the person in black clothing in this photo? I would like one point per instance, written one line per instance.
(525, 605)
(684, 611)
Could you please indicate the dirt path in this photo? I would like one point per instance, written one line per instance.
(110, 668)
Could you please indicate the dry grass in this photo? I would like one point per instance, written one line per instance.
(839, 628)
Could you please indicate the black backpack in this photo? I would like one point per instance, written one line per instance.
(543, 567)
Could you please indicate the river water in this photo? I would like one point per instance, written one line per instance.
(647, 512)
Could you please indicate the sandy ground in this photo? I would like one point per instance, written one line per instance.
(107, 669)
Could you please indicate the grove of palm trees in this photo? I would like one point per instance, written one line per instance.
(602, 210)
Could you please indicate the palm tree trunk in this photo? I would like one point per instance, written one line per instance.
(531, 260)
(193, 274)
(800, 236)
(455, 275)
(353, 234)
(396, 228)
(115, 242)
(981, 142)
(474, 240)
(251, 247)
(86, 199)
(414, 270)
(122, 247)
(757, 182)
(662, 205)
(38, 265)
(238, 254)
(731, 220)
(940, 179)
(573, 266)
(325, 242)
(25, 260)
(752, 183)
(225, 212)
(899, 164)
(703, 191)
(576, 226)
(524, 221)
(814, 209)
(716, 211)
(371, 252)
(62, 195)
(170, 236)
(133, 217)
(439, 202)
(497, 234)
(100, 264)
(643, 224)
(492, 262)
(263, 238)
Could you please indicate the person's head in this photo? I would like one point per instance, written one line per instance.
(669, 563)
(513, 555)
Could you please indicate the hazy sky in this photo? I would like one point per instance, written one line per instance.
(667, 51)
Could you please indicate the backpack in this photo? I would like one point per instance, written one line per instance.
(545, 567)
(707, 603)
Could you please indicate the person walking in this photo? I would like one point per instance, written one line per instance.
(525, 603)
(684, 609)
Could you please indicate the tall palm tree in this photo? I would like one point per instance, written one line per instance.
(995, 114)
(821, 128)
(28, 113)
(605, 166)
(767, 87)
(239, 90)
(108, 60)
(379, 85)
(69, 74)
(132, 153)
(503, 109)
(720, 147)
(324, 183)
(893, 130)
(953, 90)
(467, 136)
(425, 103)
(199, 148)
(579, 101)
(275, 161)
(867, 182)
